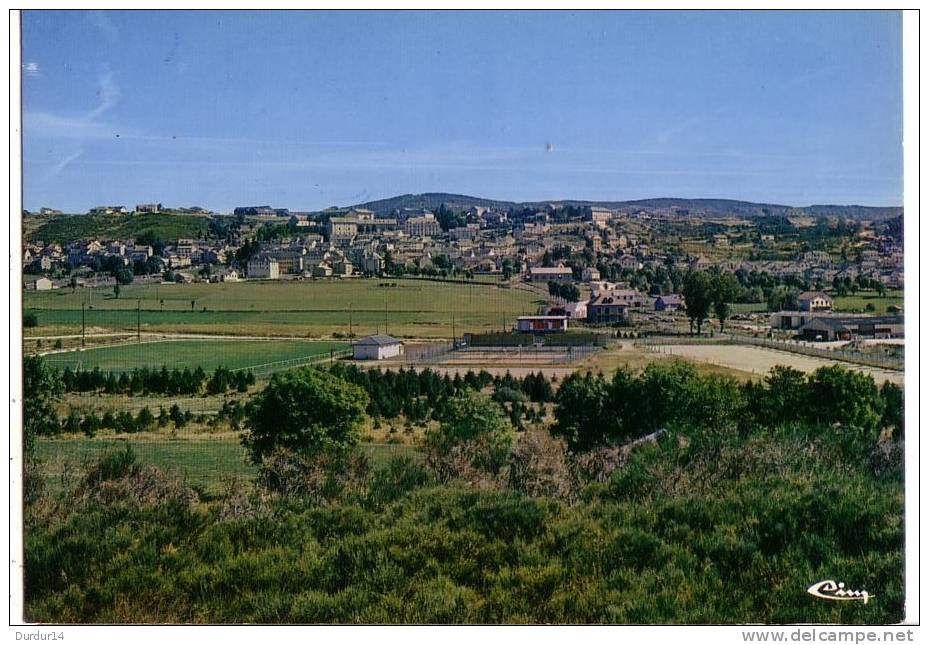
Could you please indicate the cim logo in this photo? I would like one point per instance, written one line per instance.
(832, 590)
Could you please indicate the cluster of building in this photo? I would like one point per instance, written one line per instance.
(347, 242)
(609, 304)
(815, 320)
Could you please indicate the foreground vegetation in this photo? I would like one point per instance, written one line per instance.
(657, 497)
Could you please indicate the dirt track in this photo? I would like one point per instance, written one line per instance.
(759, 360)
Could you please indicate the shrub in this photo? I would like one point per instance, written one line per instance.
(30, 320)
(581, 416)
(598, 465)
(41, 386)
(71, 423)
(538, 466)
(396, 478)
(90, 425)
(474, 435)
(892, 397)
(319, 477)
(305, 411)
(145, 420)
(846, 397)
(113, 464)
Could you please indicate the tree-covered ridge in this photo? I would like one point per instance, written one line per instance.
(65, 229)
(433, 201)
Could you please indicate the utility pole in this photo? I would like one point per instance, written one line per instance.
(350, 332)
(83, 328)
(386, 293)
(454, 335)
(138, 321)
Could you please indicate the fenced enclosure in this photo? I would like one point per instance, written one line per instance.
(521, 339)
(526, 356)
(794, 347)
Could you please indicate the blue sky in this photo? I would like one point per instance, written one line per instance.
(311, 109)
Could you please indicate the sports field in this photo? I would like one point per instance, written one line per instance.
(304, 308)
(208, 354)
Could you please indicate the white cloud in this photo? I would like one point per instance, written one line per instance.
(77, 129)
(32, 69)
(108, 92)
(64, 163)
(57, 126)
(87, 126)
(102, 21)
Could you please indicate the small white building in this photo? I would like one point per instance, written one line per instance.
(377, 348)
(43, 284)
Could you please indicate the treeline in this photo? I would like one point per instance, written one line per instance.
(593, 411)
(566, 291)
(146, 381)
(90, 423)
(424, 394)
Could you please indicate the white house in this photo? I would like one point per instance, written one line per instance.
(377, 348)
(814, 301)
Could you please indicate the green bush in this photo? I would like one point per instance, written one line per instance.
(306, 410)
(399, 476)
(113, 464)
(474, 438)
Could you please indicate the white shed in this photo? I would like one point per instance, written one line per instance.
(377, 348)
(43, 284)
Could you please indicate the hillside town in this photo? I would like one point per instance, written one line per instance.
(600, 266)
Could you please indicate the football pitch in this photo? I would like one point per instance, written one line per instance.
(208, 354)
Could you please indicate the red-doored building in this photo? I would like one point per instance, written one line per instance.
(542, 324)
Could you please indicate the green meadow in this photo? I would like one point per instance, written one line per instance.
(202, 464)
(208, 354)
(306, 308)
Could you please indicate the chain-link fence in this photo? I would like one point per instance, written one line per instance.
(795, 347)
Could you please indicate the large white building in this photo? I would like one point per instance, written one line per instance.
(264, 268)
(425, 226)
(376, 348)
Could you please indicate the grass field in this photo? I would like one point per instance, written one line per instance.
(208, 354)
(860, 301)
(203, 464)
(296, 308)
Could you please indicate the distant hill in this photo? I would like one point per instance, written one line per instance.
(432, 201)
(709, 206)
(65, 229)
